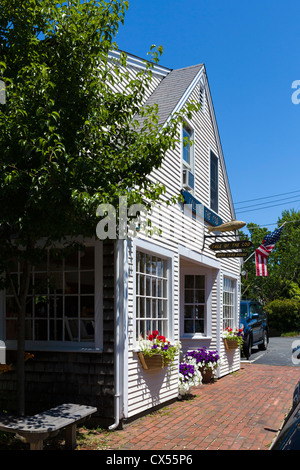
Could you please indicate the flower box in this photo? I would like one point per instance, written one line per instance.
(155, 351)
(231, 344)
(151, 362)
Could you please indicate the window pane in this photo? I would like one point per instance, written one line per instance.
(87, 258)
(194, 303)
(87, 282)
(189, 311)
(199, 296)
(60, 293)
(87, 306)
(71, 282)
(151, 286)
(71, 262)
(189, 282)
(189, 296)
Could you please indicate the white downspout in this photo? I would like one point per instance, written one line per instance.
(118, 321)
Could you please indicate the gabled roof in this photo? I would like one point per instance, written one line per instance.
(171, 90)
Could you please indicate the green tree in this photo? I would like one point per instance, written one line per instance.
(283, 262)
(68, 141)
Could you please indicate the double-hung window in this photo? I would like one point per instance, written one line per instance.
(152, 294)
(194, 303)
(188, 157)
(229, 303)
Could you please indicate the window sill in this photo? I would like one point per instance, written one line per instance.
(56, 347)
(194, 336)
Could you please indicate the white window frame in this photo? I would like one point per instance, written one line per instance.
(154, 250)
(97, 344)
(235, 319)
(185, 165)
(211, 151)
(206, 272)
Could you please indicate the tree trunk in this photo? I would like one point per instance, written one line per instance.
(24, 287)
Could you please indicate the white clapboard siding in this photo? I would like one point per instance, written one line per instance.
(146, 389)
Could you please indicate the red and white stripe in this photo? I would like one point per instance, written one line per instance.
(261, 256)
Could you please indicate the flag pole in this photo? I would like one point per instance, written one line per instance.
(254, 251)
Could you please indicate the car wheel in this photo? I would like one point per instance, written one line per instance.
(264, 345)
(247, 348)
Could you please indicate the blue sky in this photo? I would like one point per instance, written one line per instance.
(251, 53)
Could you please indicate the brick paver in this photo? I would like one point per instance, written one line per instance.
(241, 411)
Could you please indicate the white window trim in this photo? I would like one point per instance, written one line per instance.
(210, 151)
(184, 165)
(155, 250)
(69, 346)
(205, 271)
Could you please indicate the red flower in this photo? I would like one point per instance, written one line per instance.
(155, 333)
(161, 338)
(150, 337)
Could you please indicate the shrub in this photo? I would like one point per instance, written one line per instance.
(284, 315)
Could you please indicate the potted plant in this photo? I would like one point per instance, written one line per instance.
(189, 376)
(207, 362)
(233, 338)
(155, 351)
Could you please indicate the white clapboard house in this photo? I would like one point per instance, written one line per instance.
(85, 339)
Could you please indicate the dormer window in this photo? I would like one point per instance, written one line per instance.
(187, 157)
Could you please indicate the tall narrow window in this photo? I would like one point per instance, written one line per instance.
(187, 157)
(151, 294)
(229, 303)
(214, 183)
(194, 303)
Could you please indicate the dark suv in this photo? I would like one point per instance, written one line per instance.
(254, 322)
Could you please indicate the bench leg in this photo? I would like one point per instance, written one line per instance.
(35, 441)
(37, 445)
(70, 436)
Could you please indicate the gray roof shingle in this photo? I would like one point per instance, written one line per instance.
(171, 89)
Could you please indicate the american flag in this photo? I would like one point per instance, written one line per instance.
(262, 253)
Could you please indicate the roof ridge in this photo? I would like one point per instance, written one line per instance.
(189, 67)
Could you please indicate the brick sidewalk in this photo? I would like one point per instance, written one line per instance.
(241, 411)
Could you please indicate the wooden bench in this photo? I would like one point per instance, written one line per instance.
(38, 427)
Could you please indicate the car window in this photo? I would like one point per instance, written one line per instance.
(260, 310)
(244, 310)
(253, 308)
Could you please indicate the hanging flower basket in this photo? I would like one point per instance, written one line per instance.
(231, 344)
(151, 362)
(233, 338)
(156, 351)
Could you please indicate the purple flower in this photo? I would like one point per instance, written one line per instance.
(203, 355)
(186, 370)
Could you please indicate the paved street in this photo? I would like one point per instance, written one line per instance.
(279, 352)
(241, 411)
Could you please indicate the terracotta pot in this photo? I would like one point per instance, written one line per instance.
(207, 375)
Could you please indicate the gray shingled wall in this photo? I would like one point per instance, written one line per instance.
(53, 378)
